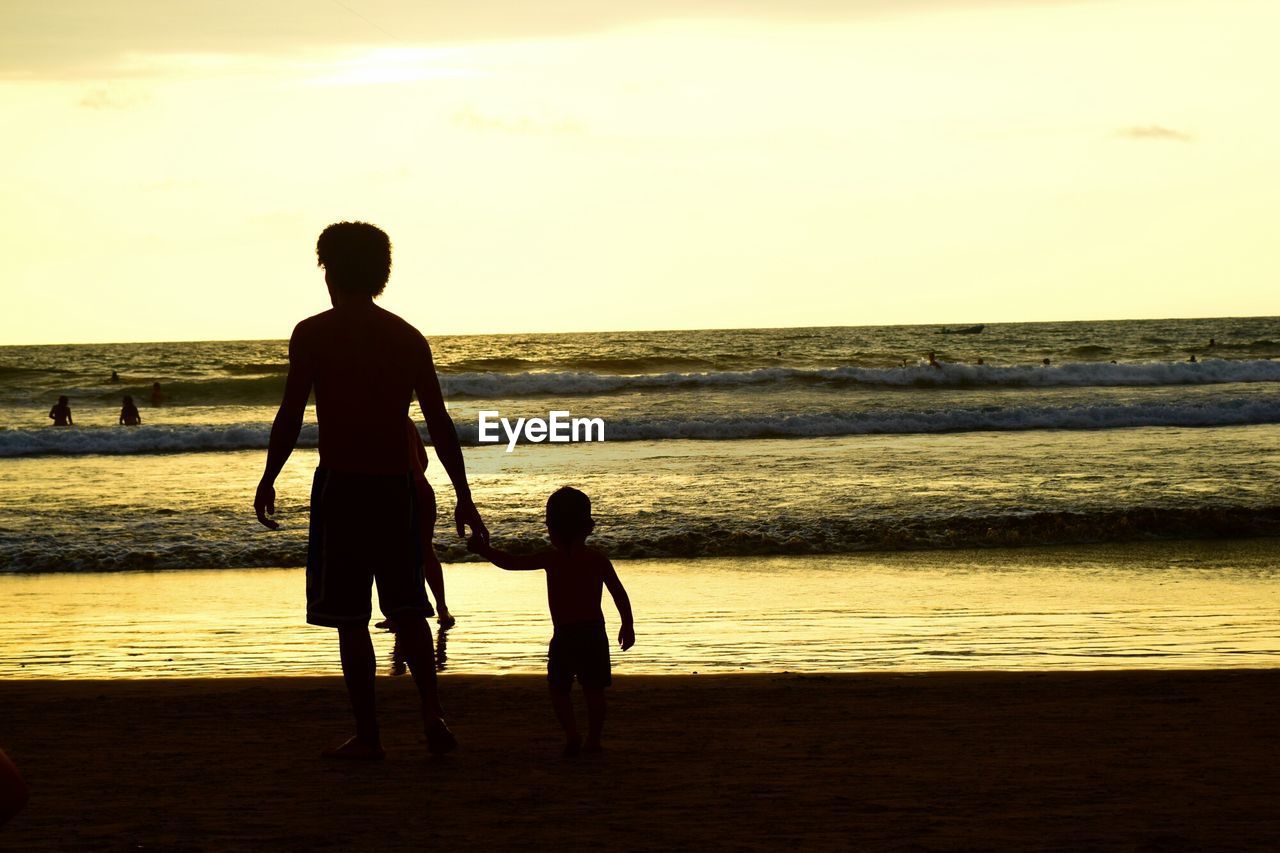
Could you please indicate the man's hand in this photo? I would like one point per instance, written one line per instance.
(466, 515)
(627, 637)
(264, 504)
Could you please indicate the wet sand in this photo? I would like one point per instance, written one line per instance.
(1143, 761)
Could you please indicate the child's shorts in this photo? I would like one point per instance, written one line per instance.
(364, 527)
(580, 650)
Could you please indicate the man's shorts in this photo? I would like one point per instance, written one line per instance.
(364, 527)
(580, 650)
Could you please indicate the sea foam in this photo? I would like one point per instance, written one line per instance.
(50, 441)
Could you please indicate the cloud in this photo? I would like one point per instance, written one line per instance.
(106, 99)
(78, 39)
(1154, 132)
(171, 184)
(471, 119)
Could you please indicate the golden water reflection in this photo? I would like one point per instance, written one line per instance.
(1163, 605)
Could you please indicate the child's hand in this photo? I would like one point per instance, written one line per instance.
(627, 637)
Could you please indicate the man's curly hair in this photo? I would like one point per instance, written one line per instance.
(356, 257)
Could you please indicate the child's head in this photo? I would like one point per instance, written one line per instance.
(569, 518)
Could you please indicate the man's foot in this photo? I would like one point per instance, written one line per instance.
(445, 620)
(439, 739)
(572, 746)
(355, 749)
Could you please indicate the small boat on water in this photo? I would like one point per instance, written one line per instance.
(964, 330)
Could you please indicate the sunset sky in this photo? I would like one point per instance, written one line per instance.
(636, 165)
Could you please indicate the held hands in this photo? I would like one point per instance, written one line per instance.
(627, 637)
(264, 504)
(466, 515)
(476, 545)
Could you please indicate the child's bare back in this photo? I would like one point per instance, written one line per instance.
(575, 583)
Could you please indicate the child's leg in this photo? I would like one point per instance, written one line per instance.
(431, 568)
(595, 717)
(434, 574)
(562, 702)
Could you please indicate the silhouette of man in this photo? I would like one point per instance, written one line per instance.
(365, 365)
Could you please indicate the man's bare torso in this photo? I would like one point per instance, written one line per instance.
(365, 364)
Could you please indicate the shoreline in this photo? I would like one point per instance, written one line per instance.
(1155, 606)
(1126, 548)
(1134, 759)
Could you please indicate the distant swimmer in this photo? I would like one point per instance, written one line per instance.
(129, 413)
(1192, 359)
(1045, 362)
(61, 413)
(980, 361)
(933, 361)
(157, 397)
(115, 377)
(1212, 343)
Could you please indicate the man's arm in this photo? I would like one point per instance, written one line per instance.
(503, 560)
(444, 438)
(285, 428)
(627, 634)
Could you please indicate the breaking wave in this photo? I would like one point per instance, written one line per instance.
(48, 441)
(48, 552)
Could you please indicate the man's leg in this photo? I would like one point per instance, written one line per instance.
(358, 668)
(414, 636)
(562, 702)
(595, 717)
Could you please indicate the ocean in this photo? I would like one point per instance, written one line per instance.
(717, 443)
(807, 447)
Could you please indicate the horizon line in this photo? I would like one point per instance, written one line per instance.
(672, 329)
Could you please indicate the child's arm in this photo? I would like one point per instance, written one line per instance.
(627, 635)
(503, 560)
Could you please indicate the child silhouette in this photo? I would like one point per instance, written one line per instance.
(576, 576)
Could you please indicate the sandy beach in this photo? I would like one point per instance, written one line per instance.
(961, 761)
